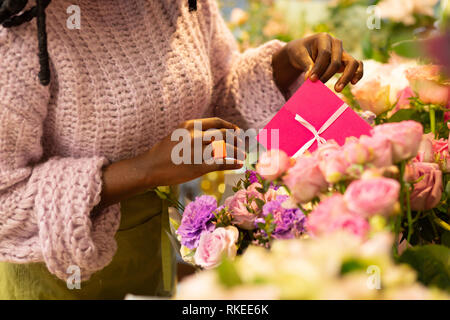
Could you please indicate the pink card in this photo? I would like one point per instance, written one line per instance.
(313, 114)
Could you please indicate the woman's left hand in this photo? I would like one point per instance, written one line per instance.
(320, 56)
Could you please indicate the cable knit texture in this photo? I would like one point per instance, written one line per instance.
(121, 83)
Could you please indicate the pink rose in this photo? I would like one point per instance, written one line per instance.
(244, 208)
(403, 98)
(372, 196)
(447, 113)
(305, 180)
(355, 152)
(442, 155)
(425, 81)
(381, 149)
(432, 150)
(405, 137)
(332, 215)
(403, 101)
(428, 191)
(272, 164)
(214, 245)
(332, 161)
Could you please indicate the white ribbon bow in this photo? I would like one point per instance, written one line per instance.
(320, 140)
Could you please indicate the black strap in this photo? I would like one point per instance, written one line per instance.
(192, 5)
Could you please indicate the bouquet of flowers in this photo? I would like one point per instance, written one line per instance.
(391, 181)
(257, 213)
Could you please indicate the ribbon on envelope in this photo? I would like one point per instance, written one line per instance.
(320, 140)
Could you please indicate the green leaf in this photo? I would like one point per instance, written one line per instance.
(367, 48)
(352, 265)
(405, 114)
(408, 49)
(432, 263)
(260, 203)
(261, 190)
(228, 274)
(445, 238)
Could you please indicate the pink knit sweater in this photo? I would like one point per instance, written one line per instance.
(124, 81)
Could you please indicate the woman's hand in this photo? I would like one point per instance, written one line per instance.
(319, 56)
(164, 167)
(157, 167)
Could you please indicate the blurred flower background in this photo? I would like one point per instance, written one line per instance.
(356, 22)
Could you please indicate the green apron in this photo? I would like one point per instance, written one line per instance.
(144, 263)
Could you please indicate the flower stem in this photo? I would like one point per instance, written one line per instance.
(408, 212)
(444, 225)
(433, 120)
(398, 222)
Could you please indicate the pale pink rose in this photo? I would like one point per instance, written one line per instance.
(382, 84)
(381, 149)
(373, 96)
(428, 191)
(371, 197)
(213, 246)
(355, 152)
(305, 180)
(272, 164)
(425, 81)
(405, 137)
(243, 207)
(426, 152)
(332, 161)
(333, 215)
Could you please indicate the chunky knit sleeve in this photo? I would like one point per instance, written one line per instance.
(245, 91)
(45, 204)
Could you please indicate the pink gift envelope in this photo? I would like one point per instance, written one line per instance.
(313, 115)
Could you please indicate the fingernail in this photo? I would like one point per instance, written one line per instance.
(340, 87)
(314, 77)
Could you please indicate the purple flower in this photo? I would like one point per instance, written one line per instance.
(197, 218)
(289, 222)
(252, 177)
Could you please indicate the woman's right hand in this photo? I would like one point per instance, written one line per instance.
(166, 165)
